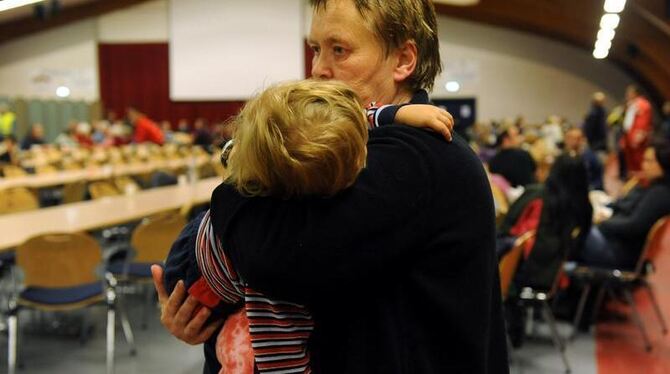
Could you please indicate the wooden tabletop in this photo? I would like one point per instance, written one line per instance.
(93, 174)
(17, 228)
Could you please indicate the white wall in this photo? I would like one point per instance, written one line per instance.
(34, 66)
(143, 23)
(512, 73)
(509, 72)
(229, 50)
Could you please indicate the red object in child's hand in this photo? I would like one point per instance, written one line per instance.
(233, 345)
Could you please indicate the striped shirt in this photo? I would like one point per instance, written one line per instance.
(279, 330)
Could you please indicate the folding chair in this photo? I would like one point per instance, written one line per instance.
(101, 189)
(17, 199)
(59, 276)
(531, 298)
(510, 262)
(150, 242)
(625, 280)
(74, 192)
(13, 171)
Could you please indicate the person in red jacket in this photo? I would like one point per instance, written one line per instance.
(637, 128)
(146, 130)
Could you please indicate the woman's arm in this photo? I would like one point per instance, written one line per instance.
(651, 208)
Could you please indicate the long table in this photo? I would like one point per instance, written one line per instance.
(93, 174)
(18, 227)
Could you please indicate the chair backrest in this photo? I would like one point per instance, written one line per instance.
(13, 171)
(654, 243)
(18, 199)
(46, 169)
(59, 260)
(102, 189)
(153, 238)
(510, 262)
(126, 184)
(74, 192)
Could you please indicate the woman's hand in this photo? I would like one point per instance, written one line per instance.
(427, 116)
(177, 312)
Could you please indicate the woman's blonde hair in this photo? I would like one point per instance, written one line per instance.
(299, 138)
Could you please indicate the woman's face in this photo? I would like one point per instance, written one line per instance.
(650, 167)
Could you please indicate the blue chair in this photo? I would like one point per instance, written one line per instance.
(60, 276)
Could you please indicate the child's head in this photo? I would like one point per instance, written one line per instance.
(299, 138)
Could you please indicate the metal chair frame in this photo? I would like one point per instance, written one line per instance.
(611, 279)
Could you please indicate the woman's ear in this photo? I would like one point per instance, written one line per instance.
(406, 56)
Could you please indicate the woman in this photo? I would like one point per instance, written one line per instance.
(554, 210)
(618, 241)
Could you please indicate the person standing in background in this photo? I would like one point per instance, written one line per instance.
(145, 130)
(594, 126)
(7, 121)
(637, 128)
(575, 146)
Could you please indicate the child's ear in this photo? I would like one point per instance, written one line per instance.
(406, 58)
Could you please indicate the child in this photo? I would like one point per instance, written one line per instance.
(293, 140)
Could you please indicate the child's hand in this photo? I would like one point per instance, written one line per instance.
(428, 117)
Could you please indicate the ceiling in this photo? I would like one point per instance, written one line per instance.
(641, 46)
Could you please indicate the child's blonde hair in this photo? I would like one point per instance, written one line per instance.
(299, 138)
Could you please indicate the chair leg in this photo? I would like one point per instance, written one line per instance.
(111, 321)
(598, 303)
(637, 318)
(12, 344)
(529, 321)
(659, 314)
(148, 295)
(558, 341)
(127, 329)
(580, 310)
(83, 334)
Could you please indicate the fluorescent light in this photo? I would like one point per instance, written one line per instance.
(614, 6)
(11, 4)
(603, 44)
(62, 91)
(600, 53)
(609, 21)
(453, 86)
(606, 34)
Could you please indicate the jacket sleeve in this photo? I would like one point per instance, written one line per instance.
(294, 248)
(651, 208)
(383, 115)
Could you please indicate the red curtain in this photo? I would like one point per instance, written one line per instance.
(138, 75)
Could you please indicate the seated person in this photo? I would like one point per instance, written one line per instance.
(296, 139)
(553, 211)
(617, 242)
(9, 151)
(35, 137)
(512, 162)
